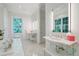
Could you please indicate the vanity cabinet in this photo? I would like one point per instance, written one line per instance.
(60, 46)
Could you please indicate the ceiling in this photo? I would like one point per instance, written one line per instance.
(56, 5)
(22, 8)
(28, 8)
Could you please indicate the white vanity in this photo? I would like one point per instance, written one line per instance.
(32, 35)
(57, 44)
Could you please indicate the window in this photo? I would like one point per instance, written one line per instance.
(58, 25)
(17, 25)
(65, 24)
(61, 25)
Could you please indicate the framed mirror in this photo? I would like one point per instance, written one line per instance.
(61, 18)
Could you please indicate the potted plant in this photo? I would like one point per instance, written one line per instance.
(1, 34)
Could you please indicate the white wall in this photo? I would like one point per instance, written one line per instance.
(48, 19)
(35, 20)
(39, 16)
(42, 22)
(27, 24)
(61, 11)
(5, 22)
(75, 21)
(1, 17)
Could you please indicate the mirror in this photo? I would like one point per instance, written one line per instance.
(61, 18)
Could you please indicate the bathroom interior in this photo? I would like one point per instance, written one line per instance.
(39, 29)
